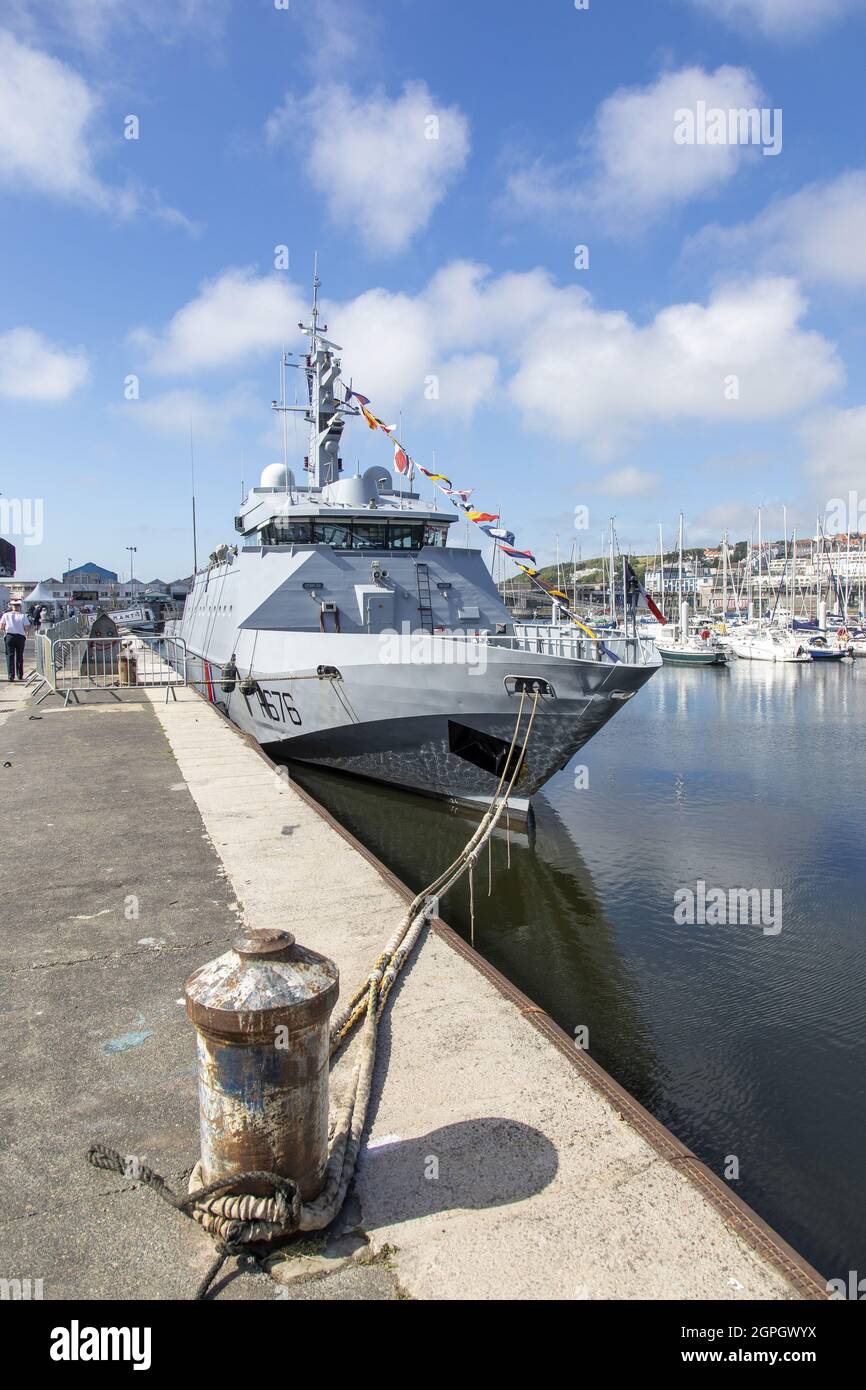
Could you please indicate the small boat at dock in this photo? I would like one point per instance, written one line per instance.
(821, 648)
(692, 651)
(767, 644)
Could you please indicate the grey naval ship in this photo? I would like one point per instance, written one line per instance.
(345, 629)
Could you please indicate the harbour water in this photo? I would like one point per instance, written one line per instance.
(747, 1042)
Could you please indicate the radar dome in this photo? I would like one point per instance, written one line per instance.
(275, 476)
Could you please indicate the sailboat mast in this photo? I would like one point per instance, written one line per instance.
(612, 577)
(785, 534)
(760, 570)
(661, 572)
(192, 490)
(847, 577)
(817, 568)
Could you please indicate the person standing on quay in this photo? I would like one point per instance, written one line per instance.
(14, 625)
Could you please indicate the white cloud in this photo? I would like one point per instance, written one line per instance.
(394, 342)
(568, 367)
(709, 526)
(235, 316)
(45, 111)
(33, 369)
(466, 380)
(631, 166)
(589, 374)
(628, 482)
(352, 29)
(818, 233)
(90, 24)
(381, 165)
(172, 412)
(598, 376)
(47, 114)
(782, 19)
(835, 442)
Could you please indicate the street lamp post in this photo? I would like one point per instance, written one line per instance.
(133, 549)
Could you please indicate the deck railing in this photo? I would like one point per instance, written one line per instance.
(543, 639)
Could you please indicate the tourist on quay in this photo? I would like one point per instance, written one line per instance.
(14, 624)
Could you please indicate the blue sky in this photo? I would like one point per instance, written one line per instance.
(710, 358)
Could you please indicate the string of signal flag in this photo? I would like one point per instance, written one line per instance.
(503, 539)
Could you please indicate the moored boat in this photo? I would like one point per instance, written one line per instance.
(767, 644)
(691, 652)
(346, 630)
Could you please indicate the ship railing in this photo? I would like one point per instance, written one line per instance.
(72, 666)
(543, 640)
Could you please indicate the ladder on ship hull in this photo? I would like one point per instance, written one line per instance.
(425, 596)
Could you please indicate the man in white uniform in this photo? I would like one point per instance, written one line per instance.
(14, 625)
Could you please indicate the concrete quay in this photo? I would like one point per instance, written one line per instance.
(499, 1162)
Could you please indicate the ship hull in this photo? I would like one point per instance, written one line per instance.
(442, 726)
(672, 657)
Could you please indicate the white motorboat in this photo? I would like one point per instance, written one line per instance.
(767, 644)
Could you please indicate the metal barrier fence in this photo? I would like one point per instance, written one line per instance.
(41, 654)
(70, 666)
(69, 627)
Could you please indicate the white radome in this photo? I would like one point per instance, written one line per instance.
(275, 476)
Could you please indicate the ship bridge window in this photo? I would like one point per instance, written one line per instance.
(292, 530)
(282, 530)
(402, 537)
(349, 534)
(370, 536)
(335, 533)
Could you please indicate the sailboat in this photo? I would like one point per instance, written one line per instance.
(698, 649)
(761, 639)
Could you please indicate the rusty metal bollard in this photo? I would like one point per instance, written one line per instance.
(127, 667)
(261, 1014)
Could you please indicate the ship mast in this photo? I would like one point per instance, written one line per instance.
(316, 384)
(325, 412)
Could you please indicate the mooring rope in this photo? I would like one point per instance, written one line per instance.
(237, 1219)
(238, 1231)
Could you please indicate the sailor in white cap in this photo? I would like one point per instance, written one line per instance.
(14, 625)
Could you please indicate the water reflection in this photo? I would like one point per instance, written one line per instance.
(539, 921)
